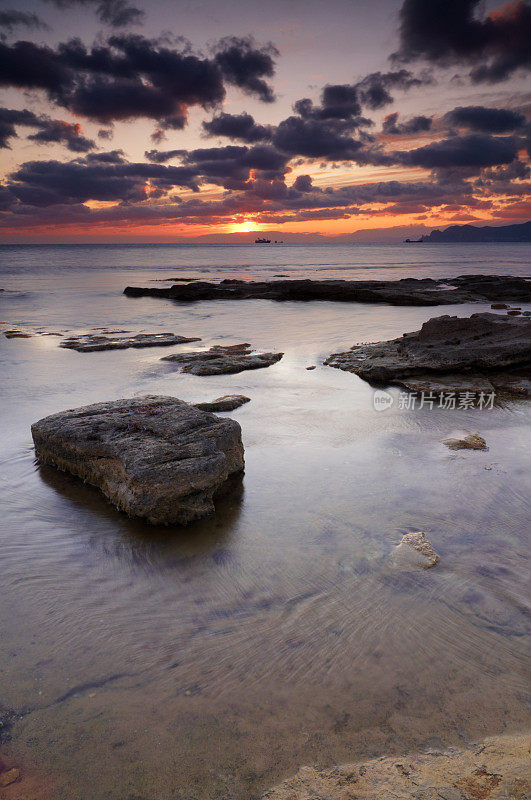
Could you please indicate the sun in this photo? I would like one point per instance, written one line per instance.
(247, 226)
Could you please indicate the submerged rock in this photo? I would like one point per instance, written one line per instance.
(91, 342)
(17, 334)
(454, 350)
(405, 292)
(223, 360)
(493, 769)
(415, 550)
(153, 457)
(229, 402)
(471, 442)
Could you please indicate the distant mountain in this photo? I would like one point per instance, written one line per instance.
(470, 233)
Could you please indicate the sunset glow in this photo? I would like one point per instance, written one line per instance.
(136, 136)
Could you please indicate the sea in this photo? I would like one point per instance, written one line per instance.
(211, 662)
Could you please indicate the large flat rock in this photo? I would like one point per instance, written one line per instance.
(153, 457)
(88, 343)
(493, 769)
(405, 292)
(223, 360)
(482, 351)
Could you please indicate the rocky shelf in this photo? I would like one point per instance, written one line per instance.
(89, 343)
(405, 292)
(493, 769)
(478, 353)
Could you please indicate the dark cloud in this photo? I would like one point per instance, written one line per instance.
(473, 151)
(116, 13)
(231, 166)
(246, 65)
(130, 76)
(105, 177)
(68, 133)
(303, 183)
(375, 89)
(238, 126)
(338, 101)
(315, 138)
(419, 124)
(161, 156)
(25, 65)
(105, 133)
(449, 31)
(9, 118)
(110, 157)
(344, 101)
(485, 120)
(11, 19)
(49, 130)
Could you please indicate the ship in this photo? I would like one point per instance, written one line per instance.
(262, 241)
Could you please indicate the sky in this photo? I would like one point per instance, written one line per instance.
(343, 120)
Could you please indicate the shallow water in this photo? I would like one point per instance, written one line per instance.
(212, 661)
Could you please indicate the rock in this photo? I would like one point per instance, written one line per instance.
(16, 334)
(490, 770)
(499, 305)
(415, 550)
(153, 457)
(453, 350)
(447, 383)
(223, 360)
(310, 368)
(9, 777)
(228, 402)
(91, 342)
(514, 312)
(471, 442)
(405, 292)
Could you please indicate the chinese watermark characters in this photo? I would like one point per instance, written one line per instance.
(409, 401)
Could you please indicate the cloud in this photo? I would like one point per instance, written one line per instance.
(130, 76)
(97, 177)
(245, 64)
(44, 191)
(485, 120)
(472, 151)
(49, 130)
(338, 101)
(449, 32)
(25, 65)
(116, 13)
(11, 117)
(303, 183)
(315, 138)
(161, 156)
(375, 89)
(419, 124)
(68, 133)
(11, 19)
(238, 126)
(344, 101)
(231, 166)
